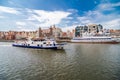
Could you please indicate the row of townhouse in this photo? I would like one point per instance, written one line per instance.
(12, 35)
(52, 31)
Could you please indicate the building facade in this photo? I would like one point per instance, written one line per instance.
(93, 28)
(53, 31)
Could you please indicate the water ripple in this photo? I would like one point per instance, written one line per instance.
(76, 62)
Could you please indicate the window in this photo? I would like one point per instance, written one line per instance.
(44, 42)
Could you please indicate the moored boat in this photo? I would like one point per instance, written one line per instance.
(95, 39)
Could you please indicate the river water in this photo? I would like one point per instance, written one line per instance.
(76, 62)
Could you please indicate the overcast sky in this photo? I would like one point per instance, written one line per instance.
(66, 14)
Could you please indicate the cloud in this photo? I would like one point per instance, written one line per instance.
(107, 6)
(69, 18)
(65, 29)
(31, 18)
(22, 26)
(2, 16)
(24, 29)
(8, 10)
(47, 18)
(20, 23)
(112, 24)
(72, 10)
(84, 20)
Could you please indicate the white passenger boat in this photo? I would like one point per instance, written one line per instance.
(41, 44)
(95, 39)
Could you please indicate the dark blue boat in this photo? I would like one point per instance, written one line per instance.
(47, 44)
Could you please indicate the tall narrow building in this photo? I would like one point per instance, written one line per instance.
(39, 32)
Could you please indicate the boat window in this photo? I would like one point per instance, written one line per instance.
(41, 45)
(54, 44)
(44, 42)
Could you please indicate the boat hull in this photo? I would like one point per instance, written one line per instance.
(103, 42)
(34, 47)
(95, 40)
